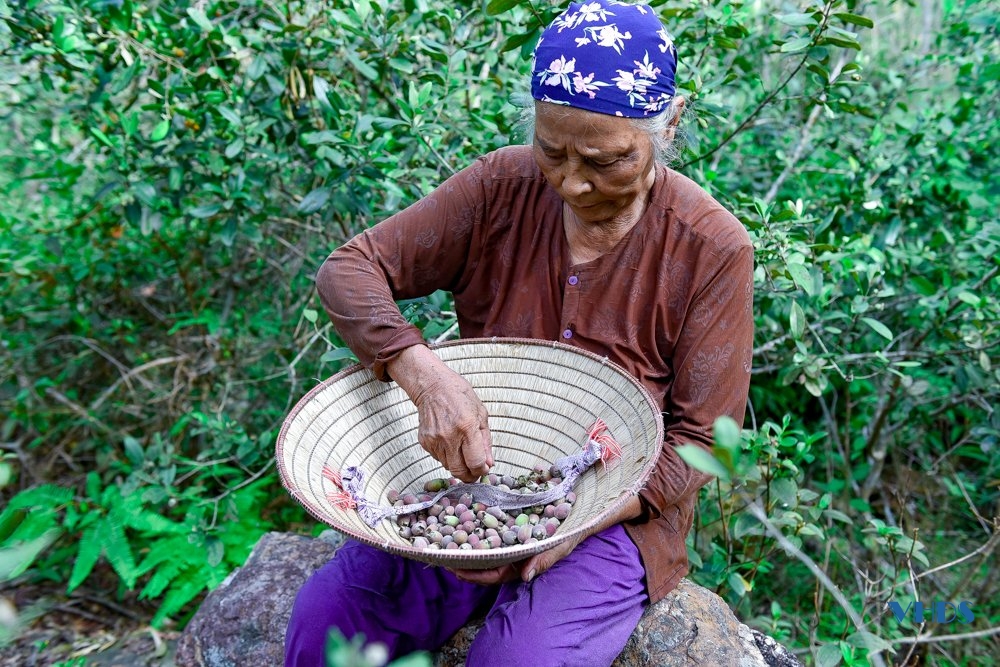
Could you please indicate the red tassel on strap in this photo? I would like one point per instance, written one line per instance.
(333, 476)
(611, 451)
(341, 499)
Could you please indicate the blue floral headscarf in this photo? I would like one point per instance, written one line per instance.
(605, 56)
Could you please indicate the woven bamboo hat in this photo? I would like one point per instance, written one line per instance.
(542, 398)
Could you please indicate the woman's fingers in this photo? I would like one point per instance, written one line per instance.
(454, 428)
(457, 467)
(476, 454)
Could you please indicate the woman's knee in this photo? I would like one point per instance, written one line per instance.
(323, 603)
(308, 626)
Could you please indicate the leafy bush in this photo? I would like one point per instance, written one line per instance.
(175, 172)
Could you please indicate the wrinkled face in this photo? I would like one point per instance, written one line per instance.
(601, 165)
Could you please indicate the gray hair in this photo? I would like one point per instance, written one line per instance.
(666, 130)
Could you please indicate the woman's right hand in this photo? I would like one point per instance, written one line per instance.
(453, 421)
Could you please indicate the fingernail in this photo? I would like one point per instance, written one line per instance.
(531, 575)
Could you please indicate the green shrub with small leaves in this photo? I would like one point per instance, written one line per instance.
(174, 172)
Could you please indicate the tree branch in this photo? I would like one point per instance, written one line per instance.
(770, 96)
(805, 132)
(792, 550)
(929, 639)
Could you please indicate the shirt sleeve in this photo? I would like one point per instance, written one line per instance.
(419, 250)
(712, 362)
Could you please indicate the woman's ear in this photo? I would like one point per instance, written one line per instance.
(678, 112)
(678, 109)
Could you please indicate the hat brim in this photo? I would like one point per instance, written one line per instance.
(542, 397)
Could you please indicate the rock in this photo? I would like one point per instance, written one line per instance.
(691, 626)
(243, 621)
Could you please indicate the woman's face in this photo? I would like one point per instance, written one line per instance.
(602, 166)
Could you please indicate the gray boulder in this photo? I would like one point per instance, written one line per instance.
(243, 621)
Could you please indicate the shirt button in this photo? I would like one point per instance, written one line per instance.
(573, 280)
(567, 334)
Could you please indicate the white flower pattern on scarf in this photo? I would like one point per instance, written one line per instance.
(558, 72)
(577, 70)
(635, 82)
(592, 11)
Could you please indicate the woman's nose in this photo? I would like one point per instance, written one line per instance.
(575, 181)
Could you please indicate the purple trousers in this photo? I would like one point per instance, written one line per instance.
(579, 613)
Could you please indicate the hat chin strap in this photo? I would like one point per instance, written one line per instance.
(350, 482)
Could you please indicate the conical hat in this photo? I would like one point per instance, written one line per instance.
(542, 399)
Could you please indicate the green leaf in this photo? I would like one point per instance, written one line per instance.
(799, 273)
(257, 68)
(205, 210)
(837, 515)
(130, 123)
(314, 201)
(44, 496)
(829, 655)
(843, 42)
(234, 148)
(216, 550)
(923, 286)
(878, 327)
(100, 136)
(746, 524)
(311, 315)
(969, 298)
(320, 89)
(17, 558)
(495, 7)
(514, 41)
(322, 137)
(855, 19)
(797, 44)
(117, 549)
(797, 321)
(337, 354)
(419, 659)
(739, 585)
(160, 131)
(230, 115)
(134, 451)
(699, 459)
(811, 530)
(186, 589)
(88, 551)
(785, 490)
(201, 18)
(727, 432)
(167, 550)
(869, 640)
(366, 70)
(797, 20)
(363, 9)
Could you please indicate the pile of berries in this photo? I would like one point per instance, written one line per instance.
(460, 523)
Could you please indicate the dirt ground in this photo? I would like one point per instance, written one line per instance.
(89, 628)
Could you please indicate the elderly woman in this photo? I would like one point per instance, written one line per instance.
(584, 237)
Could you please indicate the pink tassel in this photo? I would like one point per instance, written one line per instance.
(611, 451)
(333, 476)
(341, 500)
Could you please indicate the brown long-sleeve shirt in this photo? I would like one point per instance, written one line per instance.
(671, 303)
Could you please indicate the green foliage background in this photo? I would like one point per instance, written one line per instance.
(174, 172)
